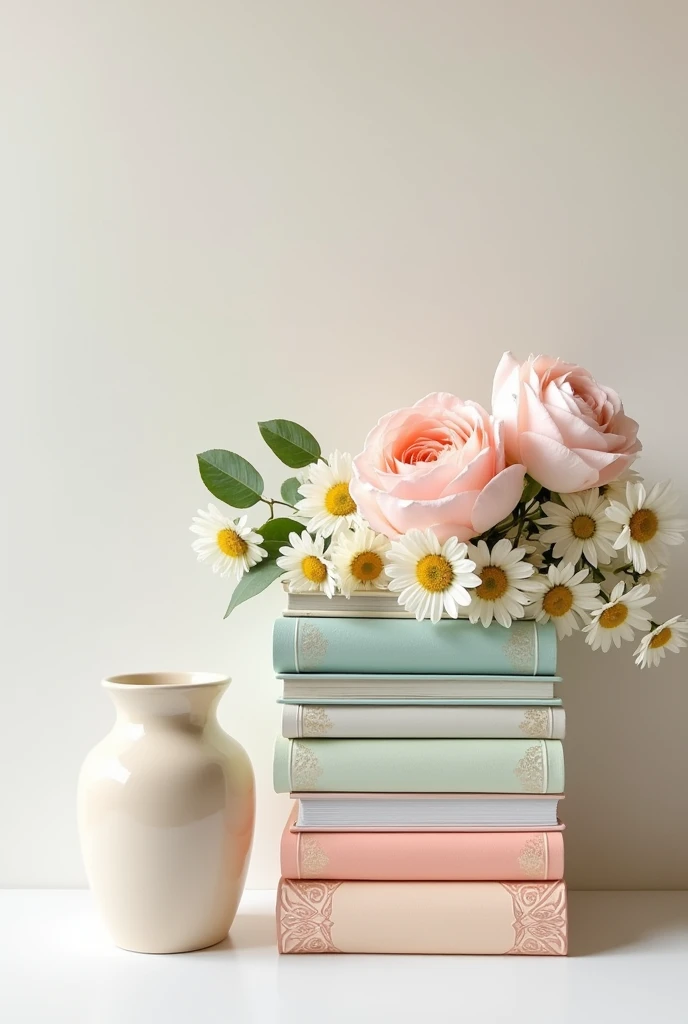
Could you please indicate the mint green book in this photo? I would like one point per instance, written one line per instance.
(419, 766)
(449, 647)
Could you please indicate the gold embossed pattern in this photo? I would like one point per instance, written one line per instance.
(305, 917)
(531, 859)
(531, 770)
(312, 646)
(519, 648)
(536, 723)
(312, 858)
(305, 767)
(540, 923)
(315, 721)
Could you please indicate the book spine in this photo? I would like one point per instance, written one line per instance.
(422, 856)
(390, 646)
(419, 766)
(527, 918)
(311, 721)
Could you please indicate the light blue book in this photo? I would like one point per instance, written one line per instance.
(418, 766)
(403, 646)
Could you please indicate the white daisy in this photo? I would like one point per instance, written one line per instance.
(578, 527)
(229, 544)
(430, 577)
(567, 599)
(505, 584)
(647, 523)
(616, 490)
(326, 502)
(670, 636)
(617, 619)
(654, 578)
(359, 558)
(307, 567)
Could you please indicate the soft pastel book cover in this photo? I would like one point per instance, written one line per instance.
(419, 766)
(422, 856)
(451, 647)
(399, 721)
(526, 918)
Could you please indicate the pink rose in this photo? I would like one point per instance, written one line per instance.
(439, 465)
(569, 431)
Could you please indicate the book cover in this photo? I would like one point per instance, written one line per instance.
(516, 918)
(419, 766)
(422, 856)
(352, 721)
(448, 647)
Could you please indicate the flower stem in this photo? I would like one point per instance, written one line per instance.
(271, 502)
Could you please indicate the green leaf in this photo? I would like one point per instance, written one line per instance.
(253, 582)
(291, 443)
(290, 491)
(275, 534)
(531, 489)
(230, 478)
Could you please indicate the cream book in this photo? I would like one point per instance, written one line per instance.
(426, 811)
(524, 918)
(363, 604)
(346, 721)
(322, 688)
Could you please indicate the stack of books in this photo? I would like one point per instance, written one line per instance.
(426, 763)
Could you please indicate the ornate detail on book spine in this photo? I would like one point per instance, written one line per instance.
(532, 857)
(312, 857)
(539, 918)
(311, 645)
(519, 648)
(536, 723)
(305, 917)
(315, 721)
(305, 767)
(531, 770)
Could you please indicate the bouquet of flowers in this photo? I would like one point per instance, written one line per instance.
(532, 510)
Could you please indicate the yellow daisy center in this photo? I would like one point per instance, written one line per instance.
(434, 572)
(662, 638)
(338, 501)
(314, 569)
(366, 566)
(558, 601)
(231, 544)
(613, 616)
(644, 525)
(583, 527)
(494, 583)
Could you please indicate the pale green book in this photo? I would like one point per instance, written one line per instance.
(397, 646)
(419, 766)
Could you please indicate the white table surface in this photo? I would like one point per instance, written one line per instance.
(628, 963)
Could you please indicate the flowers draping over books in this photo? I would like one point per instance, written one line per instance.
(532, 510)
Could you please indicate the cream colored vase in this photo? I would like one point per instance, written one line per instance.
(166, 811)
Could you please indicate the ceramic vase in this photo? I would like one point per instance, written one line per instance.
(166, 812)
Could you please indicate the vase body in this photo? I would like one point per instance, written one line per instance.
(166, 808)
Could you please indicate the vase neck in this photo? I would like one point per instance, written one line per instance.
(177, 706)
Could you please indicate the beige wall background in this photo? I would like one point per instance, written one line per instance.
(219, 212)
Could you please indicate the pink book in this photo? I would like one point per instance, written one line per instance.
(422, 917)
(422, 856)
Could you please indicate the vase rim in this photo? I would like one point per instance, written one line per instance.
(165, 680)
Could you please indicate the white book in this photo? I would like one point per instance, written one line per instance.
(425, 812)
(310, 687)
(363, 604)
(366, 721)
